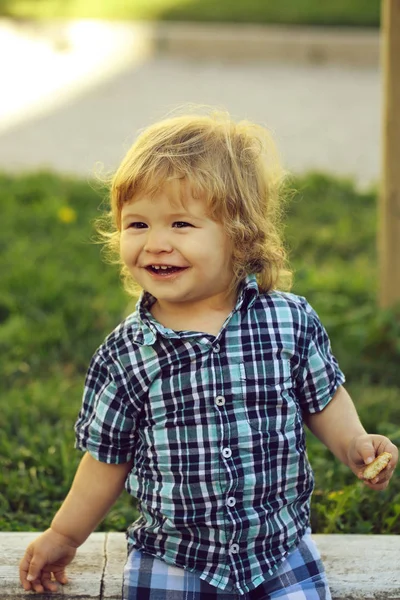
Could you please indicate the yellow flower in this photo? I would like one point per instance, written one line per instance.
(66, 214)
(334, 495)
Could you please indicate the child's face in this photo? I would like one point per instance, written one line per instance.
(174, 250)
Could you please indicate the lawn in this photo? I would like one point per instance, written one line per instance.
(356, 13)
(58, 300)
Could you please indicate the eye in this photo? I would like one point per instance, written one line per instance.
(181, 224)
(137, 225)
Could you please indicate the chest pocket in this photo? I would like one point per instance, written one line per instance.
(268, 392)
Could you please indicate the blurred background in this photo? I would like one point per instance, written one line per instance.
(79, 79)
(75, 92)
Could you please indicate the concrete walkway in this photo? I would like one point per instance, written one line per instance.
(75, 95)
(359, 567)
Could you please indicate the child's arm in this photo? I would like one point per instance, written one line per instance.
(95, 489)
(339, 428)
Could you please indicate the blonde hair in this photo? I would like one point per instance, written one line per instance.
(232, 165)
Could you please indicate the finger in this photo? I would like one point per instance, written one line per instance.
(48, 584)
(380, 486)
(377, 484)
(61, 576)
(35, 569)
(26, 585)
(395, 457)
(367, 452)
(37, 586)
(386, 474)
(23, 571)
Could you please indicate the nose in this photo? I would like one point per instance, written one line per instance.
(157, 241)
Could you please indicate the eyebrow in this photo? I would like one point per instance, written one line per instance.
(178, 215)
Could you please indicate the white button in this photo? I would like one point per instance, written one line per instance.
(234, 548)
(216, 348)
(231, 501)
(226, 452)
(220, 401)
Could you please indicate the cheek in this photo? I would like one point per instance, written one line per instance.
(225, 251)
(214, 254)
(223, 244)
(127, 249)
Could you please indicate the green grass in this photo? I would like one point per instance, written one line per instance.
(58, 300)
(297, 12)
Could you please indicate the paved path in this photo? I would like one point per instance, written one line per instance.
(323, 117)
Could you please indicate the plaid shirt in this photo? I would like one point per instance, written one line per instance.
(214, 427)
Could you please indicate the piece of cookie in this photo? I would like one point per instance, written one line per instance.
(373, 469)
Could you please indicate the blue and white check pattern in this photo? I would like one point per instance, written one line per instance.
(301, 576)
(215, 431)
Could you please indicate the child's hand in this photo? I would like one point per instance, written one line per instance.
(363, 450)
(47, 555)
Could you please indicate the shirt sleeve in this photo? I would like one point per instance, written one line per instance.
(319, 375)
(106, 423)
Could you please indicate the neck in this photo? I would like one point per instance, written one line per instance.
(207, 317)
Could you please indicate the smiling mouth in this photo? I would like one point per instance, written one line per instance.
(164, 270)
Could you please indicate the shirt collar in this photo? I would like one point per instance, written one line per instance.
(149, 327)
(248, 293)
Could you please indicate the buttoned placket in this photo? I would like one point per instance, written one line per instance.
(227, 458)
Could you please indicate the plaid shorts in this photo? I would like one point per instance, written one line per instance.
(301, 576)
